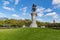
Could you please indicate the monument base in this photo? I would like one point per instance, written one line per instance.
(33, 25)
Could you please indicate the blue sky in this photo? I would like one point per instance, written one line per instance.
(47, 10)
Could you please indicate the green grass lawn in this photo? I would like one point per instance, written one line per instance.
(29, 34)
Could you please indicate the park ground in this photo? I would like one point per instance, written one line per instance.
(29, 34)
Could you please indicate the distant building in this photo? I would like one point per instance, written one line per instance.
(3, 18)
(54, 21)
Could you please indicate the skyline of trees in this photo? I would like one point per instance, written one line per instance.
(13, 23)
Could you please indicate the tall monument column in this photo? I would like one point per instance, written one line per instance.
(33, 15)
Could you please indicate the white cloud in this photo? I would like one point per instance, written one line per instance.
(6, 3)
(48, 10)
(40, 14)
(24, 13)
(57, 6)
(2, 15)
(40, 11)
(15, 15)
(5, 6)
(23, 18)
(57, 21)
(56, 3)
(16, 2)
(24, 10)
(38, 19)
(53, 14)
(8, 8)
(50, 14)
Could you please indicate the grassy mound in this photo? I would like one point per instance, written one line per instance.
(29, 34)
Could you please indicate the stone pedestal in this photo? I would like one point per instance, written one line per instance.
(33, 24)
